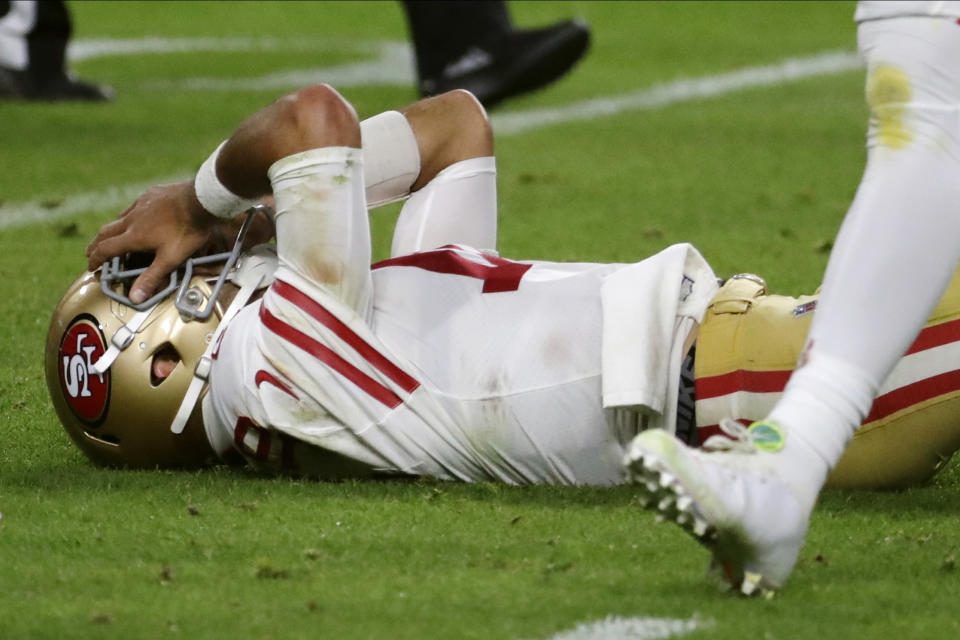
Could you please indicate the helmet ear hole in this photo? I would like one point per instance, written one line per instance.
(164, 361)
(122, 417)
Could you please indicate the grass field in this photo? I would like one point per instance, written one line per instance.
(758, 177)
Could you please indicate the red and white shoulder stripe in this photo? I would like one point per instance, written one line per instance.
(379, 364)
(930, 368)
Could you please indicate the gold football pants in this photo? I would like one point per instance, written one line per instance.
(749, 343)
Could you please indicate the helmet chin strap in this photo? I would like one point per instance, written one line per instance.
(121, 340)
(255, 271)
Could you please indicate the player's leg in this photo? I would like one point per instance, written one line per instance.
(455, 196)
(894, 257)
(913, 426)
(33, 41)
(900, 242)
(473, 45)
(16, 21)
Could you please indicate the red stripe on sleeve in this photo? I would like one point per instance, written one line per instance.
(325, 355)
(498, 274)
(358, 344)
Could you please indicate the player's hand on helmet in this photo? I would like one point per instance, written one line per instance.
(225, 232)
(224, 235)
(167, 220)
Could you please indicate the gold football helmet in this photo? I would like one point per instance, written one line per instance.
(122, 416)
(126, 379)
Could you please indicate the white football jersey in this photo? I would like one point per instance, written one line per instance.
(452, 362)
(471, 367)
(459, 374)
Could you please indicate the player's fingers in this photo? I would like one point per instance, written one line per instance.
(124, 213)
(148, 282)
(115, 246)
(108, 230)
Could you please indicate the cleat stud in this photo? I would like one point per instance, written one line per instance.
(684, 519)
(684, 503)
(650, 464)
(665, 503)
(666, 479)
(652, 485)
(660, 518)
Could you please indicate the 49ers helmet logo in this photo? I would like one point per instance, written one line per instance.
(86, 392)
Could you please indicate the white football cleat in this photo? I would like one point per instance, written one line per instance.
(737, 502)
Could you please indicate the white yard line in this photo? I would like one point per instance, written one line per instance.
(80, 50)
(616, 628)
(390, 64)
(681, 90)
(21, 214)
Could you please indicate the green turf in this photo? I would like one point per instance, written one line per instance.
(758, 179)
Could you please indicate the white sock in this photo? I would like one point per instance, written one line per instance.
(823, 404)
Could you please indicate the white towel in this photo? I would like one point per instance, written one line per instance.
(648, 311)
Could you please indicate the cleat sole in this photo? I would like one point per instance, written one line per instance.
(660, 481)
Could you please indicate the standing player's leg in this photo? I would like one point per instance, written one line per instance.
(474, 45)
(900, 242)
(893, 259)
(33, 43)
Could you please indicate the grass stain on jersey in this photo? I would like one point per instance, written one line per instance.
(888, 92)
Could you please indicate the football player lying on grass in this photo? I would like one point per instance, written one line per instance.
(445, 360)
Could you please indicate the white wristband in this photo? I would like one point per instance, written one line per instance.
(211, 193)
(391, 158)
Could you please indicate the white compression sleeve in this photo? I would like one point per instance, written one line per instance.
(391, 158)
(323, 230)
(459, 206)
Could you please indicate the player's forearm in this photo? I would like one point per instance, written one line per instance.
(306, 119)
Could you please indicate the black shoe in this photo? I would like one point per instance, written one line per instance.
(12, 84)
(20, 85)
(515, 63)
